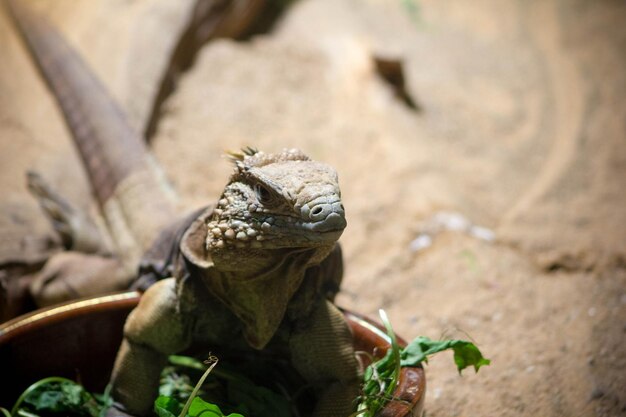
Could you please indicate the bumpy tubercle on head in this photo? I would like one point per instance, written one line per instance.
(289, 180)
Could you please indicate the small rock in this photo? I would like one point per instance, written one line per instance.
(421, 242)
(596, 393)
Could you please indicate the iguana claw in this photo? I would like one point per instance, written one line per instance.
(75, 228)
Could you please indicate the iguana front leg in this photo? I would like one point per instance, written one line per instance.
(322, 352)
(154, 330)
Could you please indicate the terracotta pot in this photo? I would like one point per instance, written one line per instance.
(79, 340)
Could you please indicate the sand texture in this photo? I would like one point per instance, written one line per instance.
(495, 208)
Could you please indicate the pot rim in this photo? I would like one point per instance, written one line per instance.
(411, 387)
(60, 312)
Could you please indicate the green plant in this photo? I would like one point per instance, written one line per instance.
(237, 393)
(381, 377)
(59, 396)
(167, 406)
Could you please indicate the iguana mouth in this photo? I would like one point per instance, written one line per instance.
(328, 230)
(333, 223)
(327, 226)
(326, 236)
(297, 233)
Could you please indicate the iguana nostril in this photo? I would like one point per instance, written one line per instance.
(319, 209)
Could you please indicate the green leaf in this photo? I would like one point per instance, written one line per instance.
(56, 395)
(200, 407)
(187, 361)
(105, 401)
(167, 406)
(394, 353)
(239, 388)
(465, 353)
(176, 384)
(22, 413)
(380, 377)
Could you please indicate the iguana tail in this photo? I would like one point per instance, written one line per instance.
(128, 185)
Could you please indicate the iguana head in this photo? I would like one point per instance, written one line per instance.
(275, 201)
(278, 215)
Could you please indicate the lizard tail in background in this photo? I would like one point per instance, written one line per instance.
(131, 190)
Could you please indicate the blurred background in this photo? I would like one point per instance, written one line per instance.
(481, 148)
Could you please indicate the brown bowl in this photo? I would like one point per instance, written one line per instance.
(79, 340)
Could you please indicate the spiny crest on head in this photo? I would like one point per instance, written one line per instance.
(251, 157)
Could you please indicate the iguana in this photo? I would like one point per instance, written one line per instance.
(254, 273)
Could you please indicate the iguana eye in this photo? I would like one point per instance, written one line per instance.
(263, 194)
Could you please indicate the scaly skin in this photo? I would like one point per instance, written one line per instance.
(110, 149)
(250, 275)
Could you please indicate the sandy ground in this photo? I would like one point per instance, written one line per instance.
(495, 211)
